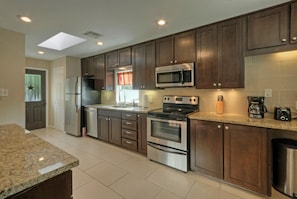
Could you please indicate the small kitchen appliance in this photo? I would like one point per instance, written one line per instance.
(167, 131)
(256, 107)
(283, 114)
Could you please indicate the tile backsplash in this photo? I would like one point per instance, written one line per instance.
(276, 71)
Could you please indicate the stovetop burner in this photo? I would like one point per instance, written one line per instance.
(176, 107)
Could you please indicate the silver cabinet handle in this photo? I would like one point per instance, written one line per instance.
(128, 132)
(128, 115)
(175, 61)
(294, 38)
(226, 127)
(219, 126)
(128, 142)
(214, 84)
(128, 123)
(219, 84)
(171, 62)
(284, 40)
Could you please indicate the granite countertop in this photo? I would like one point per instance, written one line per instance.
(245, 120)
(26, 160)
(137, 109)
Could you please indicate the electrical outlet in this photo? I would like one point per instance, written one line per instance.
(268, 92)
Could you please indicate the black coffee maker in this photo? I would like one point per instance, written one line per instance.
(256, 107)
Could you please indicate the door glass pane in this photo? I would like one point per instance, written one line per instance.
(166, 130)
(32, 87)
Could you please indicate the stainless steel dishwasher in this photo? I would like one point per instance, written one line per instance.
(91, 119)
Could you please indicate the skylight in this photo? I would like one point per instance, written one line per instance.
(61, 41)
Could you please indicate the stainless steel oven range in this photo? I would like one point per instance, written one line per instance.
(167, 131)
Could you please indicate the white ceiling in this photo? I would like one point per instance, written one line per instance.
(121, 22)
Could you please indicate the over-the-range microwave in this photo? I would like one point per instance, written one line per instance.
(179, 75)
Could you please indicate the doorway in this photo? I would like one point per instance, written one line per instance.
(35, 99)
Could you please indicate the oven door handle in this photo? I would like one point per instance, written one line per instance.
(166, 149)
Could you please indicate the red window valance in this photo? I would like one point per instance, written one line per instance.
(125, 78)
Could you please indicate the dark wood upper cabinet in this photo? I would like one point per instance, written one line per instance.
(230, 54)
(179, 48)
(117, 58)
(220, 58)
(207, 147)
(268, 28)
(207, 57)
(293, 24)
(111, 60)
(246, 157)
(88, 67)
(272, 30)
(144, 66)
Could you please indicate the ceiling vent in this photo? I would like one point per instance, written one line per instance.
(92, 34)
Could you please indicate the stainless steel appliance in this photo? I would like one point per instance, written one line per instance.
(78, 93)
(178, 75)
(256, 107)
(167, 131)
(91, 120)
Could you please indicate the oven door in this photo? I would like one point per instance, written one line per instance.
(170, 133)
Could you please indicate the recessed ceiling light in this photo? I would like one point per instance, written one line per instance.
(99, 43)
(161, 22)
(61, 41)
(40, 52)
(24, 18)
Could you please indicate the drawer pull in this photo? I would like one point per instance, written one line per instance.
(128, 142)
(128, 123)
(128, 132)
(219, 126)
(284, 40)
(128, 115)
(294, 38)
(226, 127)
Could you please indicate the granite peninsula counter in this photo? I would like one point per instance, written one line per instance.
(26, 160)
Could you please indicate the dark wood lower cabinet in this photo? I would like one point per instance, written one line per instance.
(58, 187)
(246, 157)
(141, 128)
(207, 147)
(235, 153)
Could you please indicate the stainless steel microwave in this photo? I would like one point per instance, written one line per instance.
(179, 75)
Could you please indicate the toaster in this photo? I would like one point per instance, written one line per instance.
(283, 114)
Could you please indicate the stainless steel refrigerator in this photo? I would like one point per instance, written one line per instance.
(78, 93)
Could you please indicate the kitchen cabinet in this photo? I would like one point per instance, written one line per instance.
(87, 66)
(142, 133)
(272, 30)
(109, 126)
(113, 60)
(58, 187)
(207, 147)
(235, 153)
(246, 157)
(220, 58)
(175, 49)
(144, 62)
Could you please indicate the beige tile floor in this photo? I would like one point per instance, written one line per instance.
(110, 172)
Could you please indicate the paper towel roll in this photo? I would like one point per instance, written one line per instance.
(144, 101)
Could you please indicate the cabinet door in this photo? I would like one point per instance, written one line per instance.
(144, 66)
(124, 58)
(230, 54)
(103, 127)
(164, 51)
(87, 66)
(207, 147)
(293, 33)
(84, 68)
(245, 157)
(111, 60)
(268, 28)
(115, 131)
(184, 47)
(99, 64)
(207, 57)
(141, 129)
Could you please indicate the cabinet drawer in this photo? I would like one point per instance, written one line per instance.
(110, 113)
(129, 115)
(130, 144)
(129, 124)
(130, 134)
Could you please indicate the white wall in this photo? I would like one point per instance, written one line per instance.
(12, 75)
